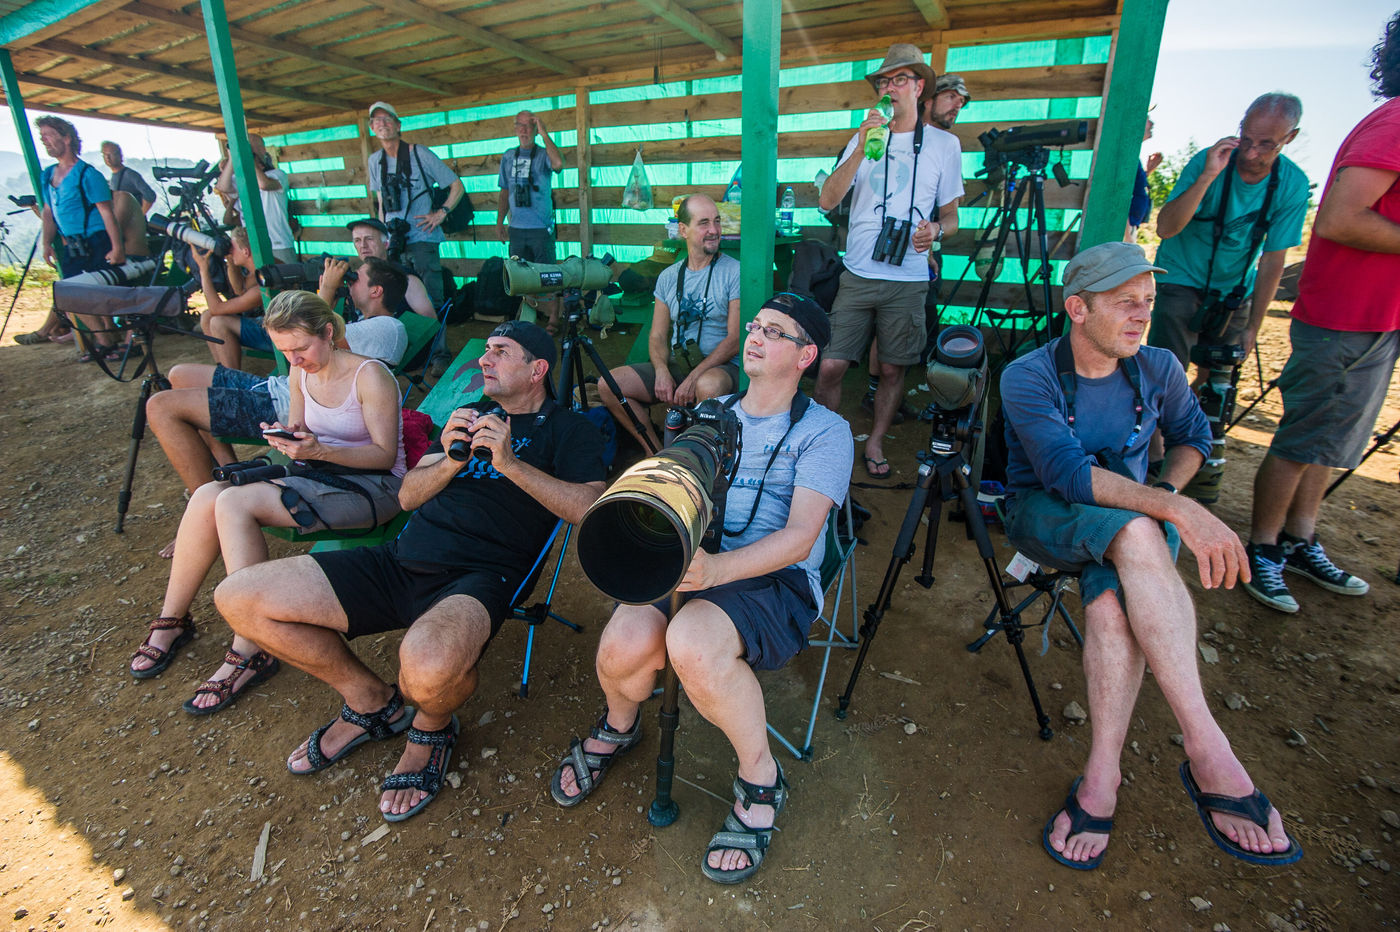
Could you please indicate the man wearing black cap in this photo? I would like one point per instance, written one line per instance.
(371, 238)
(449, 578)
(1079, 414)
(885, 281)
(750, 605)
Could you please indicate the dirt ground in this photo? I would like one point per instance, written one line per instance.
(922, 810)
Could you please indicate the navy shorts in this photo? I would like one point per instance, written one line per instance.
(772, 614)
(252, 335)
(239, 404)
(378, 593)
(1073, 537)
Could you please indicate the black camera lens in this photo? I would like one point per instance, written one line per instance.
(960, 346)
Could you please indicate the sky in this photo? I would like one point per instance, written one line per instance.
(1217, 56)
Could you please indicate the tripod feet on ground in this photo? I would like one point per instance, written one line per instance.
(663, 814)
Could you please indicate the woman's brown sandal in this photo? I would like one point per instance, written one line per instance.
(160, 659)
(227, 689)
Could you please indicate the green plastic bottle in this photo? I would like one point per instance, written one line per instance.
(875, 136)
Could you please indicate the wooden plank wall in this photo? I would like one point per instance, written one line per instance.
(339, 191)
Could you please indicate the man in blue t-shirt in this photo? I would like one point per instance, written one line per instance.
(1247, 165)
(1078, 415)
(77, 205)
(747, 607)
(449, 577)
(525, 207)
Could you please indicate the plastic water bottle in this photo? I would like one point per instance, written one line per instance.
(875, 136)
(786, 224)
(733, 193)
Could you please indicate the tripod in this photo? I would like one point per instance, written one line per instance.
(1034, 160)
(191, 186)
(571, 369)
(950, 470)
(11, 258)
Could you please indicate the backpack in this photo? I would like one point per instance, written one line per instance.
(490, 296)
(816, 272)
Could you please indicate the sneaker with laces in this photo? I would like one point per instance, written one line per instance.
(1310, 560)
(1266, 562)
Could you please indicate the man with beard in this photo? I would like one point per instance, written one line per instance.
(695, 337)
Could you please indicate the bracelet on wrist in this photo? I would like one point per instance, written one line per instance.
(1164, 484)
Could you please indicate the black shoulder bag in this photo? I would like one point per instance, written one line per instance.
(459, 218)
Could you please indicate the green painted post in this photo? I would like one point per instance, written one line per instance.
(36, 15)
(26, 136)
(236, 125)
(762, 43)
(1121, 123)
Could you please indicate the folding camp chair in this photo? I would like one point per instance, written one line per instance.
(536, 614)
(838, 570)
(425, 334)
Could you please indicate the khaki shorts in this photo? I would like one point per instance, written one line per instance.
(1333, 386)
(1171, 322)
(894, 311)
(647, 373)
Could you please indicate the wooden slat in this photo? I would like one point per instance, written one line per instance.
(934, 12)
(693, 26)
(457, 26)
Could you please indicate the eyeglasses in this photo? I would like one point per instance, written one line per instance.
(771, 332)
(898, 80)
(381, 118)
(1264, 146)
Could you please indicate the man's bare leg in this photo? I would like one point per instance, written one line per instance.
(437, 672)
(632, 388)
(827, 391)
(887, 399)
(707, 653)
(631, 651)
(177, 417)
(226, 327)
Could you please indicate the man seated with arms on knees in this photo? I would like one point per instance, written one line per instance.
(448, 578)
(371, 239)
(136, 270)
(207, 402)
(1079, 413)
(231, 319)
(748, 607)
(694, 341)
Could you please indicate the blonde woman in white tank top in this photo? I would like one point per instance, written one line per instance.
(344, 411)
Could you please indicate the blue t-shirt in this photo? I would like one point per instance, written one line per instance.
(816, 455)
(1044, 453)
(66, 201)
(424, 170)
(1186, 255)
(526, 176)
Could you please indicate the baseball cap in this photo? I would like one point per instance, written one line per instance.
(952, 82)
(373, 222)
(534, 339)
(1105, 267)
(809, 315)
(386, 107)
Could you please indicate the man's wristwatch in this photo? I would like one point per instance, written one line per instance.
(937, 244)
(1164, 484)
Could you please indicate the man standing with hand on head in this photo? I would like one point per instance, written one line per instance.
(886, 278)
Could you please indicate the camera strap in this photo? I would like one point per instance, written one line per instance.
(403, 174)
(677, 343)
(800, 404)
(1069, 383)
(1261, 220)
(914, 177)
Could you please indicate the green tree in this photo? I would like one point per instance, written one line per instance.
(1161, 181)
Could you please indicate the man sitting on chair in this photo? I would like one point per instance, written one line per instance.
(206, 402)
(1079, 415)
(449, 578)
(750, 605)
(694, 342)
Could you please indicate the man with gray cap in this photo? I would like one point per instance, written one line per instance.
(885, 281)
(402, 176)
(940, 108)
(448, 577)
(749, 606)
(1079, 413)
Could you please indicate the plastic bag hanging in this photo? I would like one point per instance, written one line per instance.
(637, 194)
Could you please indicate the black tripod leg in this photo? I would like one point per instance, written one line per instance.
(903, 551)
(152, 383)
(663, 809)
(606, 375)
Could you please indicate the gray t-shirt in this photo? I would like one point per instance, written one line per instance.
(130, 180)
(817, 454)
(526, 179)
(702, 314)
(418, 200)
(382, 338)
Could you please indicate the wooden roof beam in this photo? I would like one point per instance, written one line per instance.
(456, 26)
(695, 27)
(935, 12)
(317, 56)
(119, 117)
(97, 90)
(132, 63)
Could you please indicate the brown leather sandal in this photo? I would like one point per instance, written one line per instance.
(161, 658)
(227, 689)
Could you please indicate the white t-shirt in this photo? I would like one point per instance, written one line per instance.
(276, 211)
(939, 181)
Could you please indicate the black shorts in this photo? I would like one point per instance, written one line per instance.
(378, 593)
(773, 614)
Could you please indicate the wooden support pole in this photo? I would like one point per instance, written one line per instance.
(362, 124)
(26, 138)
(236, 126)
(1127, 93)
(762, 46)
(584, 158)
